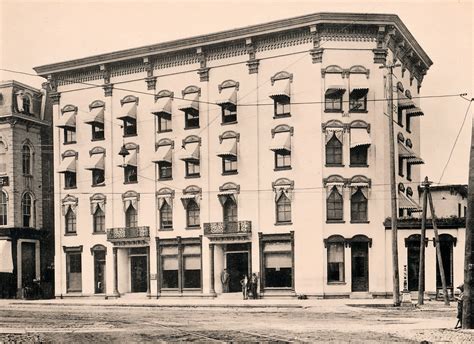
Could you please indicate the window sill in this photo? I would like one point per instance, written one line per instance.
(400, 124)
(193, 176)
(336, 283)
(133, 182)
(408, 130)
(101, 139)
(401, 175)
(98, 185)
(130, 135)
(283, 168)
(70, 234)
(165, 229)
(409, 179)
(229, 123)
(286, 115)
(334, 165)
(358, 111)
(357, 221)
(164, 131)
(289, 223)
(70, 187)
(188, 228)
(333, 111)
(335, 221)
(99, 233)
(69, 143)
(190, 128)
(228, 173)
(358, 165)
(165, 178)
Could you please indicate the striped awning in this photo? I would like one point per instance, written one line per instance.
(131, 158)
(67, 120)
(407, 153)
(281, 141)
(6, 258)
(404, 102)
(96, 162)
(162, 105)
(129, 110)
(190, 101)
(416, 111)
(190, 152)
(360, 137)
(405, 202)
(280, 89)
(228, 96)
(67, 165)
(359, 85)
(334, 84)
(163, 154)
(227, 148)
(96, 115)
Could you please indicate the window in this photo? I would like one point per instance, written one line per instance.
(169, 267)
(191, 118)
(334, 151)
(335, 262)
(278, 264)
(186, 275)
(98, 177)
(229, 113)
(409, 171)
(359, 155)
(98, 132)
(358, 206)
(283, 209)
(3, 158)
(69, 180)
(165, 170)
(26, 207)
(192, 168)
(408, 124)
(70, 221)
(229, 164)
(69, 135)
(166, 216)
(129, 126)
(357, 103)
(333, 100)
(131, 217)
(26, 104)
(192, 214)
(400, 166)
(282, 159)
(99, 221)
(26, 160)
(164, 122)
(3, 209)
(400, 116)
(334, 206)
(230, 211)
(130, 174)
(74, 272)
(192, 266)
(281, 107)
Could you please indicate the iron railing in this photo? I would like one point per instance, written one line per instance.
(237, 227)
(128, 233)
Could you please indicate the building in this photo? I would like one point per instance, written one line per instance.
(261, 150)
(26, 191)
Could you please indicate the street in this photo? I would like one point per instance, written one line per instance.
(316, 321)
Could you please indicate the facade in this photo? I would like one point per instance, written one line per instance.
(257, 150)
(26, 191)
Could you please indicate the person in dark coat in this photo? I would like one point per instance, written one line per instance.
(254, 285)
(225, 279)
(460, 301)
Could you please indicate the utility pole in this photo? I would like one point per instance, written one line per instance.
(393, 188)
(468, 303)
(438, 250)
(421, 272)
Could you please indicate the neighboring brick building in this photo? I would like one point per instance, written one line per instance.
(26, 190)
(260, 150)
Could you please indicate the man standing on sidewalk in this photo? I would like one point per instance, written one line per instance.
(225, 279)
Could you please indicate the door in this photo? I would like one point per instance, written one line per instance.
(138, 273)
(360, 266)
(446, 248)
(99, 272)
(28, 264)
(237, 267)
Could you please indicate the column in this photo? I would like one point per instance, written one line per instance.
(148, 271)
(211, 269)
(116, 292)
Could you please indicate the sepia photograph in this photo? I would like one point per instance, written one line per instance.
(236, 171)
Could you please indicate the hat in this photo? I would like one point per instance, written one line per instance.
(461, 286)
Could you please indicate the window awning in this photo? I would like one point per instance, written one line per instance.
(128, 111)
(405, 202)
(163, 154)
(96, 115)
(280, 89)
(186, 198)
(190, 101)
(406, 153)
(67, 120)
(6, 259)
(68, 165)
(162, 105)
(360, 137)
(404, 102)
(96, 162)
(334, 83)
(228, 96)
(416, 111)
(190, 152)
(224, 195)
(131, 159)
(228, 147)
(359, 85)
(281, 141)
(359, 185)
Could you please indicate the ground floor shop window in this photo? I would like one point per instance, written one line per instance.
(335, 262)
(277, 263)
(73, 269)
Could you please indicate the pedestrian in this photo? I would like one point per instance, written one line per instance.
(225, 279)
(245, 287)
(254, 285)
(459, 299)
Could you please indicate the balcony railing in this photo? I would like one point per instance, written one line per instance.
(121, 233)
(220, 228)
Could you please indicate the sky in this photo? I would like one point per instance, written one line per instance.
(38, 32)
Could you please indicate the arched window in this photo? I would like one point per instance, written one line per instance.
(3, 158)
(334, 151)
(230, 211)
(334, 206)
(283, 209)
(192, 214)
(358, 206)
(166, 216)
(99, 221)
(70, 220)
(3, 209)
(131, 217)
(26, 160)
(26, 208)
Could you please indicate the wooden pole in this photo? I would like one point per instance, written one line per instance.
(438, 250)
(421, 272)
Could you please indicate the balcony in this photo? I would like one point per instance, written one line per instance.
(238, 228)
(129, 235)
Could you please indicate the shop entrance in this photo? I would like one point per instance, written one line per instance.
(237, 265)
(360, 266)
(138, 270)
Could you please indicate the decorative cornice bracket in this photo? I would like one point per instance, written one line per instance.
(253, 62)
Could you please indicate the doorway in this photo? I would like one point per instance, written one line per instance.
(138, 274)
(360, 266)
(446, 243)
(237, 264)
(413, 261)
(28, 264)
(99, 272)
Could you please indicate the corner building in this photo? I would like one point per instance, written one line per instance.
(260, 150)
